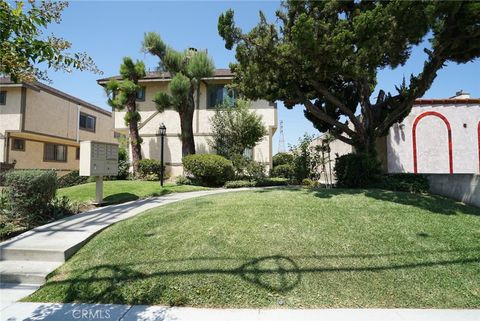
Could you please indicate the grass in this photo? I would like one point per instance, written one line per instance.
(123, 191)
(283, 248)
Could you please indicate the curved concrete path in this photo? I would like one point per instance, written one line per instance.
(28, 258)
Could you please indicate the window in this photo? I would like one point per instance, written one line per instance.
(3, 97)
(141, 94)
(18, 144)
(248, 153)
(217, 94)
(87, 122)
(55, 152)
(77, 153)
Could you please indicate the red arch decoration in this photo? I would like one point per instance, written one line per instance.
(478, 130)
(449, 130)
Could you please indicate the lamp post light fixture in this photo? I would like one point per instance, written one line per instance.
(162, 131)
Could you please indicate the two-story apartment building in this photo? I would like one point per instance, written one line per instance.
(212, 92)
(41, 127)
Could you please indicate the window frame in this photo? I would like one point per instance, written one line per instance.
(86, 128)
(18, 149)
(3, 94)
(142, 90)
(55, 160)
(225, 91)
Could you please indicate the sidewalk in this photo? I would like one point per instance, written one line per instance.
(112, 312)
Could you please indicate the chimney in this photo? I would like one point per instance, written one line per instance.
(461, 95)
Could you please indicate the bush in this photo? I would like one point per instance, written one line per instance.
(209, 169)
(183, 180)
(282, 159)
(29, 194)
(247, 169)
(123, 164)
(273, 181)
(284, 170)
(413, 183)
(149, 169)
(62, 206)
(71, 179)
(239, 184)
(357, 171)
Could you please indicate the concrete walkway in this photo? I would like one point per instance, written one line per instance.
(28, 258)
(113, 312)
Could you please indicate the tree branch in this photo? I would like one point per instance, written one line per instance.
(335, 101)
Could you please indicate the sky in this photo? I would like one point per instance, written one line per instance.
(110, 30)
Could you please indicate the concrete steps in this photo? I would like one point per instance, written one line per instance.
(30, 254)
(26, 272)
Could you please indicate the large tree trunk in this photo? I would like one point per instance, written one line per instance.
(135, 139)
(135, 143)
(186, 126)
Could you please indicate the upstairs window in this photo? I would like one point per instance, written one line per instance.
(141, 94)
(3, 97)
(87, 122)
(217, 94)
(54, 152)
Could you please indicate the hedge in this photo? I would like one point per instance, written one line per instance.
(209, 169)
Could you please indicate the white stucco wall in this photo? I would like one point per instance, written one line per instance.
(432, 140)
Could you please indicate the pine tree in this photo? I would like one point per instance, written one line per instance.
(123, 95)
(186, 70)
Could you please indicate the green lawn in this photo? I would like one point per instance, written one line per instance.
(283, 248)
(123, 191)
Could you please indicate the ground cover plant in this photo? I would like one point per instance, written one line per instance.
(283, 248)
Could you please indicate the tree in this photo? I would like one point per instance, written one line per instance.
(123, 95)
(326, 55)
(23, 48)
(186, 70)
(235, 129)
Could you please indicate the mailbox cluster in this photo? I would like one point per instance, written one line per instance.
(98, 159)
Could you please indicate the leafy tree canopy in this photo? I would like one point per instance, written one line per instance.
(326, 55)
(235, 129)
(23, 46)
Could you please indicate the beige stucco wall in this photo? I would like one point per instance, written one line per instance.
(10, 116)
(32, 157)
(432, 140)
(52, 115)
(47, 118)
(151, 120)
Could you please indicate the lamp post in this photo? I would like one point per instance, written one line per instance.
(162, 130)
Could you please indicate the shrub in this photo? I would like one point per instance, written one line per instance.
(284, 170)
(149, 169)
(255, 170)
(62, 206)
(282, 159)
(273, 181)
(413, 183)
(183, 180)
(209, 169)
(247, 169)
(357, 171)
(239, 184)
(71, 179)
(29, 194)
(123, 164)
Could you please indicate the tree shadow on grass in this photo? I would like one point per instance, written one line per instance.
(126, 284)
(120, 198)
(434, 203)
